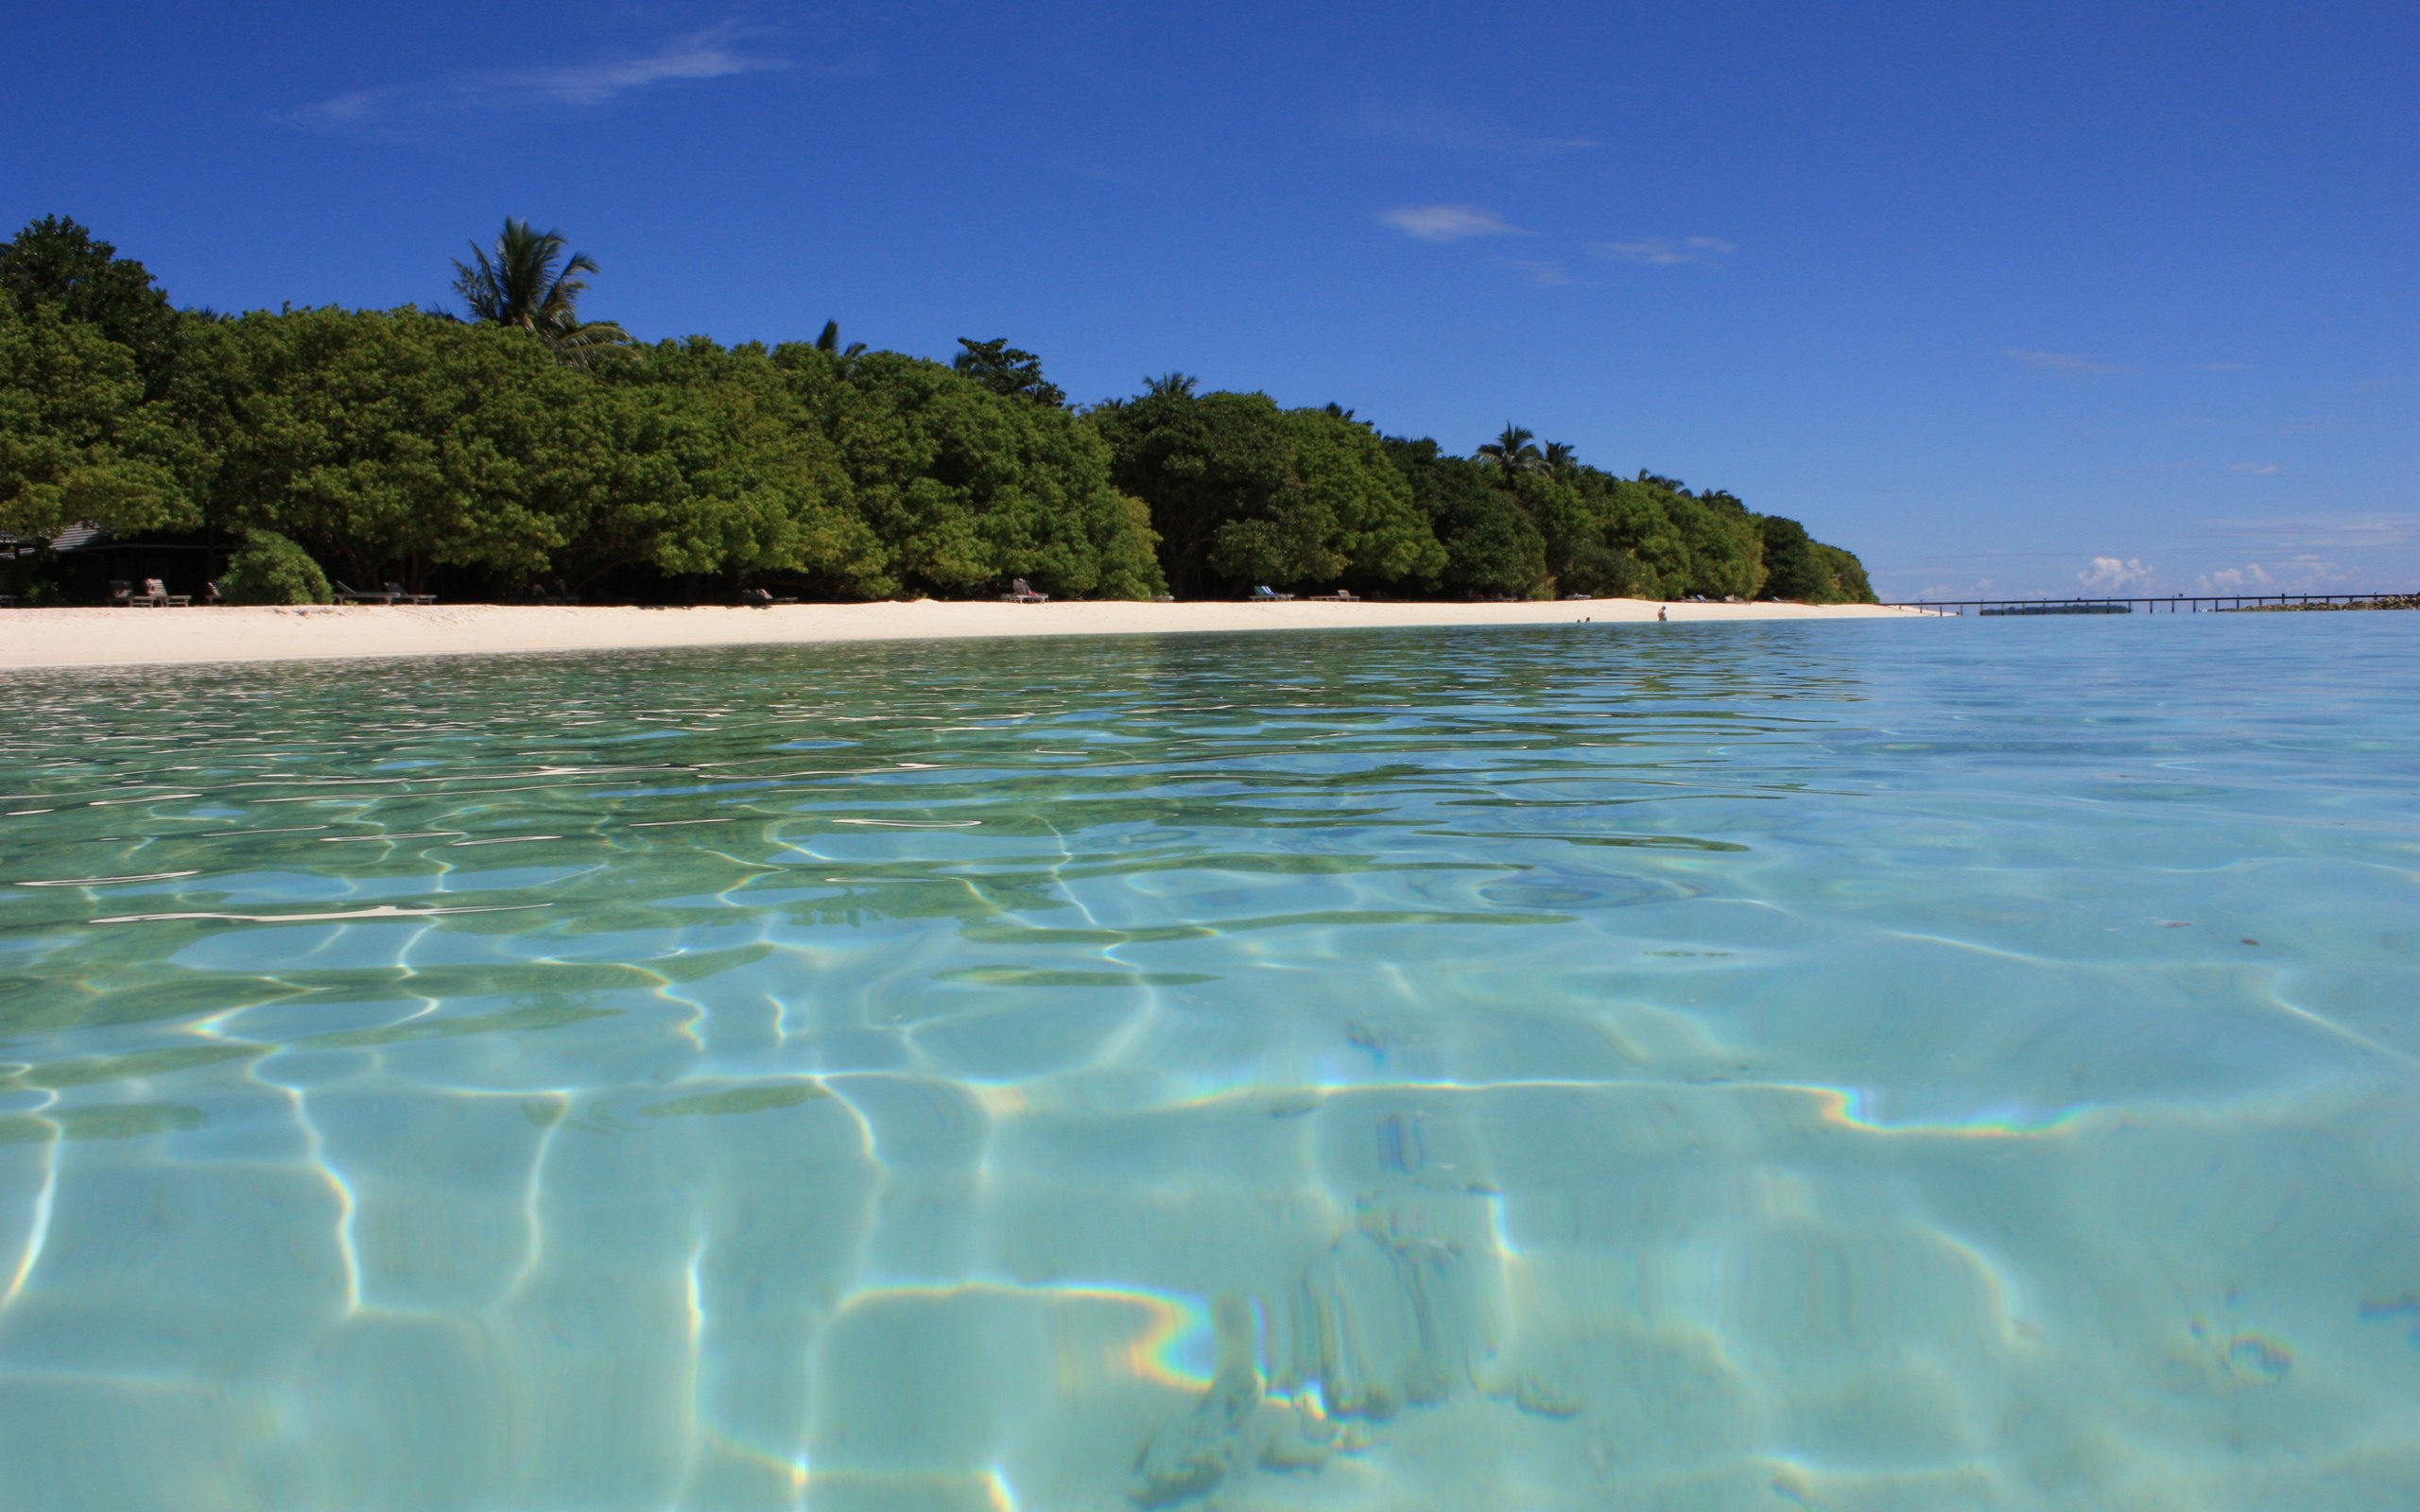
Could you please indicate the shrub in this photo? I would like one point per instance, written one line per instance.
(273, 569)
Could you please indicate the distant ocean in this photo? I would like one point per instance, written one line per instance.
(1864, 1065)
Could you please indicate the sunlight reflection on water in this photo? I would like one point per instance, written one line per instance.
(1864, 1065)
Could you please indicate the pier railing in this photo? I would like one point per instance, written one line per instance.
(2168, 603)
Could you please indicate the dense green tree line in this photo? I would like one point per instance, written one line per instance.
(527, 442)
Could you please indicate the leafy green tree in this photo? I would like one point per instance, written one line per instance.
(1726, 552)
(1006, 370)
(1242, 492)
(55, 264)
(1575, 512)
(1806, 570)
(1597, 542)
(1605, 571)
(388, 443)
(1793, 570)
(269, 569)
(968, 486)
(1200, 462)
(1492, 547)
(1354, 500)
(719, 468)
(1849, 584)
(1638, 524)
(77, 441)
(397, 444)
(527, 280)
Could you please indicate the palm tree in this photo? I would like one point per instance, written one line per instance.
(1514, 450)
(526, 280)
(830, 341)
(1561, 459)
(1169, 385)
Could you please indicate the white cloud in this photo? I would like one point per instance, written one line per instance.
(715, 53)
(1668, 251)
(1449, 223)
(2074, 363)
(2251, 577)
(2112, 576)
(2262, 468)
(2304, 572)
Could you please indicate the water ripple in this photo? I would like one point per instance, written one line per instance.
(1860, 1065)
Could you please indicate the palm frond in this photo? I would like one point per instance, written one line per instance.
(526, 280)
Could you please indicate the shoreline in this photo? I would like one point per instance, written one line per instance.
(34, 639)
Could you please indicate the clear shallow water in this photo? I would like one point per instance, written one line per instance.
(1844, 1066)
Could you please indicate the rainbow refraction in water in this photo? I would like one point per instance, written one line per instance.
(1855, 1066)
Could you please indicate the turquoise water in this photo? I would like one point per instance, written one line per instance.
(1849, 1066)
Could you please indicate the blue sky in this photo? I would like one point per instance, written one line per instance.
(2016, 298)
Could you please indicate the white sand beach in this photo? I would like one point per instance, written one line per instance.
(131, 637)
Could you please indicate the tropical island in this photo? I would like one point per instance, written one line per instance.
(517, 451)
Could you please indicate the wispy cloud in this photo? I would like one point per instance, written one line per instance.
(2317, 532)
(718, 52)
(2111, 574)
(1668, 251)
(1449, 223)
(2260, 469)
(2073, 363)
(1935, 593)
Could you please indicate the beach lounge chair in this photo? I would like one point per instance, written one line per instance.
(155, 594)
(404, 595)
(538, 595)
(1266, 594)
(121, 593)
(1022, 593)
(758, 598)
(1342, 596)
(354, 595)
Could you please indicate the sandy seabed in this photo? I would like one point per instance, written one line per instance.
(132, 637)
